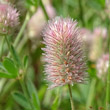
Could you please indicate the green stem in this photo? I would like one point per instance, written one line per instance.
(71, 100)
(108, 84)
(9, 46)
(21, 44)
(91, 94)
(1, 47)
(22, 30)
(81, 12)
(44, 10)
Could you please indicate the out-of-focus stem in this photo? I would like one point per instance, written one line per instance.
(22, 29)
(91, 94)
(108, 81)
(21, 44)
(81, 12)
(44, 10)
(9, 45)
(1, 47)
(71, 100)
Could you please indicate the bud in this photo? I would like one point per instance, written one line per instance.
(63, 52)
(102, 66)
(8, 18)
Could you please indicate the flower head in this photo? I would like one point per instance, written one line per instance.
(63, 52)
(102, 65)
(8, 18)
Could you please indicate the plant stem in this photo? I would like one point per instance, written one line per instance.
(1, 47)
(22, 29)
(44, 10)
(21, 44)
(71, 100)
(9, 46)
(108, 91)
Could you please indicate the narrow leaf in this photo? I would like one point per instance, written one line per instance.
(25, 61)
(33, 94)
(20, 99)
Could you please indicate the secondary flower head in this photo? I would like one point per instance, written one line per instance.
(102, 65)
(63, 52)
(8, 18)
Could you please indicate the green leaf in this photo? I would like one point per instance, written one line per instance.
(25, 61)
(33, 94)
(10, 66)
(16, 57)
(20, 99)
(6, 75)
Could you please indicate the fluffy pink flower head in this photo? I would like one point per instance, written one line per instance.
(102, 66)
(8, 18)
(65, 60)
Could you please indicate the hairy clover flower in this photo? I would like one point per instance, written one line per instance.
(64, 54)
(8, 18)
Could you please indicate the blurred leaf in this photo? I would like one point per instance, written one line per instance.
(35, 101)
(33, 94)
(30, 3)
(42, 92)
(6, 75)
(83, 88)
(20, 99)
(76, 95)
(95, 4)
(10, 66)
(25, 61)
